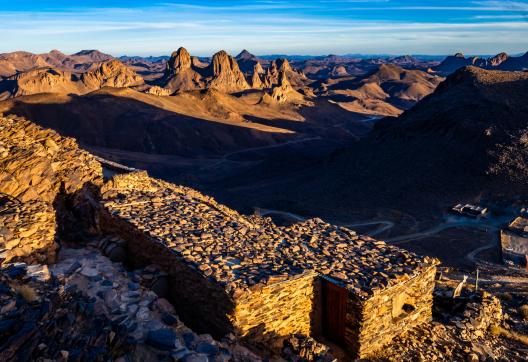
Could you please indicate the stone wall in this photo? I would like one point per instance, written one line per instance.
(373, 324)
(27, 231)
(37, 168)
(202, 305)
(267, 314)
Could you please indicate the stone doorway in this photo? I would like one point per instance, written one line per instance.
(334, 312)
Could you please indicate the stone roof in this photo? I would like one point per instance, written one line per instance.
(240, 252)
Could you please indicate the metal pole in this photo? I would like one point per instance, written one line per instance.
(476, 281)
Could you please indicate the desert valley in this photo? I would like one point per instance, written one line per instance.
(235, 207)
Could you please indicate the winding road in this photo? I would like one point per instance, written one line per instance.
(226, 156)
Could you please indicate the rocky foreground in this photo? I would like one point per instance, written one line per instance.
(66, 295)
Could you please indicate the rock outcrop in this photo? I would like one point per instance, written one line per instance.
(256, 82)
(283, 92)
(179, 61)
(50, 80)
(179, 73)
(159, 91)
(38, 164)
(111, 74)
(225, 74)
(498, 59)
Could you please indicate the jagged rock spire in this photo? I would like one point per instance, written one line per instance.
(256, 82)
(179, 61)
(226, 75)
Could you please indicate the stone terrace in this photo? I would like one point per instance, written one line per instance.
(239, 252)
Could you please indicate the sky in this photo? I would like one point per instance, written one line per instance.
(304, 27)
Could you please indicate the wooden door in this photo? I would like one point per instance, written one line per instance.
(334, 312)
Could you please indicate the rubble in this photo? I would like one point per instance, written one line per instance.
(88, 308)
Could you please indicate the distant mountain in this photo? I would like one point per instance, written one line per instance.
(247, 61)
(93, 56)
(501, 61)
(51, 80)
(149, 59)
(387, 90)
(11, 63)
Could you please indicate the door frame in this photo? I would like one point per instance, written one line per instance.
(334, 317)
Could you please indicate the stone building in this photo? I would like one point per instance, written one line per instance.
(244, 275)
(514, 242)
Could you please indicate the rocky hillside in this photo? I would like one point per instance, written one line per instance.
(386, 91)
(12, 63)
(189, 124)
(436, 153)
(51, 80)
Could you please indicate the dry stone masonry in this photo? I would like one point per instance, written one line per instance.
(37, 167)
(27, 231)
(261, 281)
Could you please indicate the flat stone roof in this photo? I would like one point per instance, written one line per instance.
(244, 252)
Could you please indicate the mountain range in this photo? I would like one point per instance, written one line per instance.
(423, 125)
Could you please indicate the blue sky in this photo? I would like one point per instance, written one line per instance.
(157, 27)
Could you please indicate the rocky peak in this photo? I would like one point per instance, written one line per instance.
(222, 62)
(283, 92)
(256, 82)
(459, 55)
(283, 79)
(283, 64)
(258, 69)
(498, 59)
(179, 61)
(93, 55)
(245, 55)
(226, 75)
(111, 74)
